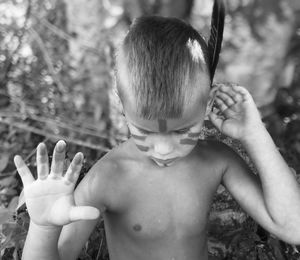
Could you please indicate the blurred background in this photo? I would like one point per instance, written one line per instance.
(57, 79)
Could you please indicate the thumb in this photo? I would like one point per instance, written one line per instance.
(83, 213)
(216, 120)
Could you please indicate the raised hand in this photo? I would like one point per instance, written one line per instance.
(238, 116)
(50, 199)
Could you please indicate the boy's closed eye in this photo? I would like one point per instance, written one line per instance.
(179, 132)
(145, 132)
(182, 131)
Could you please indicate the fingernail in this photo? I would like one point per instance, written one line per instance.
(42, 149)
(17, 159)
(78, 158)
(60, 146)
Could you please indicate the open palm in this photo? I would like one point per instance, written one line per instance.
(50, 199)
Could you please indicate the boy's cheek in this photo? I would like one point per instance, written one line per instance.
(192, 137)
(188, 142)
(140, 142)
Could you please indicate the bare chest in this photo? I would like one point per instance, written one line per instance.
(175, 207)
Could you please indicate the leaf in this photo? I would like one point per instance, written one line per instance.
(9, 231)
(8, 228)
(13, 204)
(5, 215)
(228, 217)
(8, 181)
(21, 201)
(4, 158)
(8, 192)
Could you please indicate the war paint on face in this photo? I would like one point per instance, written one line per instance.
(191, 139)
(162, 125)
(188, 141)
(194, 135)
(180, 139)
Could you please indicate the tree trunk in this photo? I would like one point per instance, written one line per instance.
(90, 56)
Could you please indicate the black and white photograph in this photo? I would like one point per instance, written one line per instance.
(150, 130)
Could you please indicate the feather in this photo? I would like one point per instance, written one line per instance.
(216, 35)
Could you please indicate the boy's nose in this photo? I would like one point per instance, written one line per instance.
(163, 148)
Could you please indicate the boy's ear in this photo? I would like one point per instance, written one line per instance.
(211, 99)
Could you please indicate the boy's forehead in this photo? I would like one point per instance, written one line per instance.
(164, 125)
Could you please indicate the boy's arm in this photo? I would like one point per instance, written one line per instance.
(90, 191)
(273, 199)
(41, 242)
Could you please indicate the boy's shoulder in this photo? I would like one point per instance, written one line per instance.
(119, 158)
(214, 147)
(106, 176)
(216, 152)
(110, 165)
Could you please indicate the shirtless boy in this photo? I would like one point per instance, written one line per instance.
(155, 190)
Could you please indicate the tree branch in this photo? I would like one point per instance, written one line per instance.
(62, 34)
(68, 125)
(54, 136)
(47, 58)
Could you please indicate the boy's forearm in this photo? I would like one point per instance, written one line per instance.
(280, 188)
(41, 243)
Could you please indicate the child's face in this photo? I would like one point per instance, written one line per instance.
(166, 140)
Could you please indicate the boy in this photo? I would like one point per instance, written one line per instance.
(155, 190)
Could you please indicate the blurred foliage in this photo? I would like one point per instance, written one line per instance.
(43, 98)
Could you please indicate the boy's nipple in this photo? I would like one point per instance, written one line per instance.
(137, 227)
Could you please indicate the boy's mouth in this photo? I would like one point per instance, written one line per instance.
(164, 162)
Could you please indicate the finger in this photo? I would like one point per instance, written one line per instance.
(212, 96)
(242, 91)
(221, 104)
(217, 121)
(42, 161)
(58, 159)
(83, 213)
(23, 171)
(226, 98)
(73, 171)
(235, 95)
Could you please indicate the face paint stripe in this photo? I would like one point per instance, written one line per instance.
(188, 141)
(162, 125)
(142, 148)
(193, 134)
(139, 137)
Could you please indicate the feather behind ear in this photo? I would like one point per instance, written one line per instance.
(216, 35)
